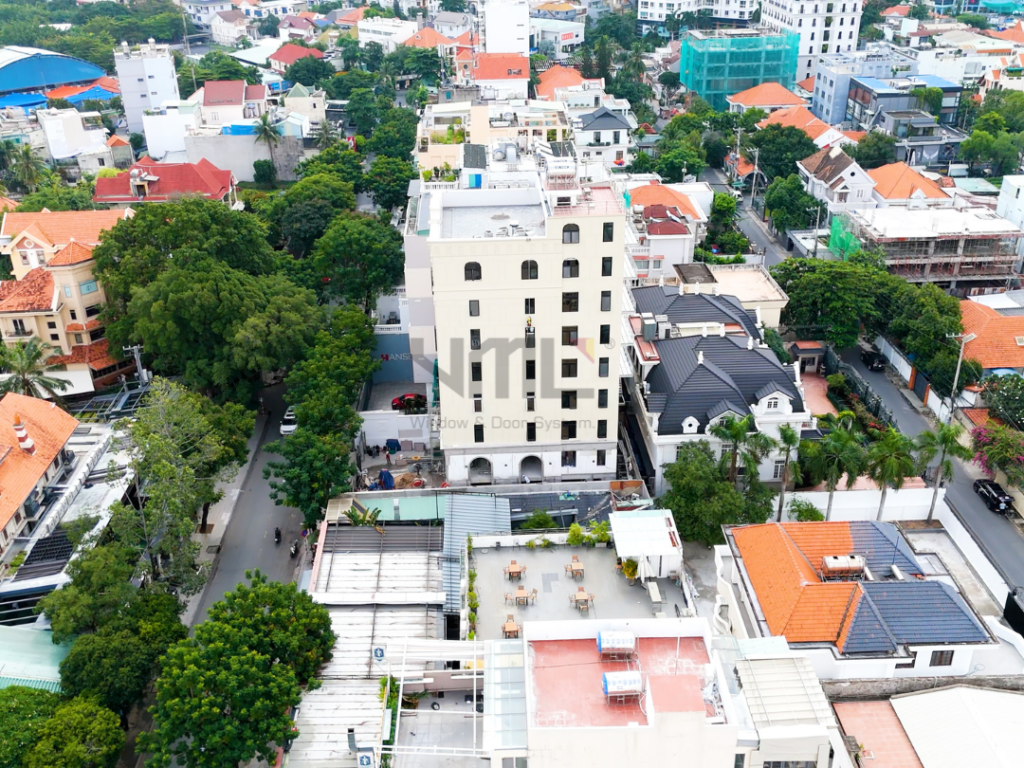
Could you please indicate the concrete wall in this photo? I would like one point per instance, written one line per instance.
(895, 358)
(237, 154)
(381, 426)
(395, 360)
(907, 504)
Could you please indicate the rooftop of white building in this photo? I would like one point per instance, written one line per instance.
(941, 223)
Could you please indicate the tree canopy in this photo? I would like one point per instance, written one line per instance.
(23, 713)
(874, 150)
(388, 181)
(789, 207)
(779, 148)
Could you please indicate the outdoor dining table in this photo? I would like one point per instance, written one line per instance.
(522, 596)
(515, 570)
(511, 629)
(577, 569)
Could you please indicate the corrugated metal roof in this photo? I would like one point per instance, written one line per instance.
(30, 655)
(963, 727)
(921, 612)
(395, 538)
(468, 513)
(784, 691)
(53, 686)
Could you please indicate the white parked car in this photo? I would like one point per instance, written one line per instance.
(289, 423)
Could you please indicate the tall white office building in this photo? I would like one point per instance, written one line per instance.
(147, 78)
(824, 27)
(506, 26)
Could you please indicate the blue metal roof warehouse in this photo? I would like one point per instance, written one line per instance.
(24, 70)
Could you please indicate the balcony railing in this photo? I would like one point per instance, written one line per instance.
(19, 333)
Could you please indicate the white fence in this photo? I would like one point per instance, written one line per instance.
(895, 358)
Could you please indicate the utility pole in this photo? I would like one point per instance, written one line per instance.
(739, 135)
(188, 52)
(817, 223)
(964, 339)
(753, 181)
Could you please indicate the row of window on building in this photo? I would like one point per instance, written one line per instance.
(531, 271)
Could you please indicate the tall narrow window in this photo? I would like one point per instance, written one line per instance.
(570, 302)
(602, 367)
(474, 338)
(606, 301)
(609, 232)
(602, 398)
(478, 403)
(568, 430)
(474, 308)
(570, 268)
(602, 428)
(531, 369)
(477, 370)
(570, 234)
(606, 266)
(531, 337)
(530, 306)
(531, 432)
(602, 458)
(531, 401)
(569, 368)
(606, 334)
(478, 433)
(569, 399)
(529, 270)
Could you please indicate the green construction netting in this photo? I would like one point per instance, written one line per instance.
(1004, 7)
(841, 241)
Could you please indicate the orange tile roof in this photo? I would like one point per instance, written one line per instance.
(744, 167)
(996, 343)
(6, 204)
(172, 179)
(898, 181)
(49, 428)
(289, 53)
(501, 66)
(96, 355)
(353, 16)
(897, 10)
(91, 325)
(766, 95)
(466, 38)
(427, 38)
(777, 570)
(34, 292)
(109, 83)
(854, 136)
(118, 141)
(557, 77)
(72, 253)
(61, 227)
(797, 117)
(659, 194)
(1014, 34)
(980, 417)
(808, 84)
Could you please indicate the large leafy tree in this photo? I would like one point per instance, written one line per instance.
(337, 160)
(178, 455)
(192, 231)
(779, 148)
(789, 206)
(301, 215)
(215, 65)
(358, 258)
(99, 589)
(362, 110)
(681, 160)
(1005, 396)
(278, 621)
(701, 497)
(219, 703)
(315, 469)
(220, 328)
(81, 734)
(309, 70)
(874, 150)
(828, 300)
(23, 713)
(54, 195)
(388, 181)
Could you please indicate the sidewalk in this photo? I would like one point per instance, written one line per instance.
(220, 515)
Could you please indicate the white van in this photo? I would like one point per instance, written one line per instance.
(289, 423)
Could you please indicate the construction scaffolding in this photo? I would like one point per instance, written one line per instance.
(841, 241)
(719, 63)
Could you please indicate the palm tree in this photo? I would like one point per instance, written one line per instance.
(890, 461)
(267, 132)
(360, 517)
(8, 151)
(633, 64)
(328, 135)
(838, 453)
(27, 169)
(789, 441)
(841, 420)
(27, 364)
(734, 432)
(943, 442)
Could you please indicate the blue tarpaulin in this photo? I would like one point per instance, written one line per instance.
(387, 482)
(23, 100)
(98, 93)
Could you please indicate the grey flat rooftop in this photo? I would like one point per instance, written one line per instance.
(545, 571)
(473, 221)
(382, 393)
(449, 727)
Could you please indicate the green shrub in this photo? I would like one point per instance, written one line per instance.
(264, 173)
(804, 512)
(547, 543)
(531, 544)
(539, 519)
(837, 383)
(575, 535)
(629, 568)
(601, 531)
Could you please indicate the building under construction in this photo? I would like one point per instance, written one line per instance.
(963, 250)
(717, 63)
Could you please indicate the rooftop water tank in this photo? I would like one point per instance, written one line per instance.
(614, 642)
(622, 683)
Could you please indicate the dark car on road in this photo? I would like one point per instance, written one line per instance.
(873, 360)
(995, 498)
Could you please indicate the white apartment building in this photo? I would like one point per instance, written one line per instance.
(1011, 204)
(824, 27)
(230, 27)
(506, 26)
(651, 14)
(201, 12)
(147, 78)
(565, 36)
(388, 32)
(77, 138)
(526, 269)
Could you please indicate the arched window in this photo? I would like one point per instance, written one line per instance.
(570, 233)
(529, 270)
(473, 271)
(570, 268)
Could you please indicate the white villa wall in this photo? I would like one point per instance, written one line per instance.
(381, 426)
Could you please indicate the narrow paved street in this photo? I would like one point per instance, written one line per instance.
(249, 540)
(996, 535)
(748, 221)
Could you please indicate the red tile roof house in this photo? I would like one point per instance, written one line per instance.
(766, 96)
(288, 54)
(501, 75)
(224, 102)
(852, 597)
(151, 182)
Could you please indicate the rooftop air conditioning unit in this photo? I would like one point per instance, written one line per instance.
(842, 566)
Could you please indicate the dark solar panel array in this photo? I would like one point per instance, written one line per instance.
(47, 557)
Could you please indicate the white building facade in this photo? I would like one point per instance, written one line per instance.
(390, 33)
(1011, 204)
(148, 79)
(506, 26)
(824, 27)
